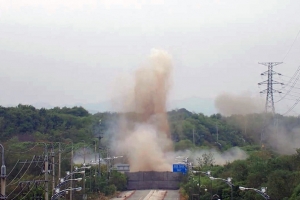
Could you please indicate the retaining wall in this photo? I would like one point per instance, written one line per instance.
(153, 180)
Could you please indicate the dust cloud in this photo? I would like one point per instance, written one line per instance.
(84, 156)
(262, 127)
(142, 133)
(229, 104)
(281, 140)
(218, 158)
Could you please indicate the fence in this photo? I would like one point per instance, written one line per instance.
(153, 180)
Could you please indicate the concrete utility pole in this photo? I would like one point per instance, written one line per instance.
(84, 195)
(3, 175)
(269, 106)
(46, 174)
(217, 132)
(108, 163)
(246, 123)
(59, 165)
(95, 150)
(194, 136)
(59, 161)
(99, 148)
(71, 183)
(53, 169)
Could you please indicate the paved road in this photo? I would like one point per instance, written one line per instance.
(139, 195)
(172, 195)
(155, 195)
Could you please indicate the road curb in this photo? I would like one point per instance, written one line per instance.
(165, 194)
(130, 195)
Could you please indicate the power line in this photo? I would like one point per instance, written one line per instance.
(291, 84)
(12, 169)
(290, 89)
(27, 192)
(17, 174)
(19, 192)
(293, 106)
(291, 46)
(288, 82)
(293, 92)
(23, 173)
(291, 95)
(22, 152)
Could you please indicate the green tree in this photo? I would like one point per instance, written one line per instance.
(118, 179)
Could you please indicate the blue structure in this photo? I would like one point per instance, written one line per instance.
(180, 168)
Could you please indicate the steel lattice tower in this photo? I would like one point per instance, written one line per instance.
(269, 107)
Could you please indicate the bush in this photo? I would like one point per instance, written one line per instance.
(110, 189)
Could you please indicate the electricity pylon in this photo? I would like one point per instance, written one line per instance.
(269, 106)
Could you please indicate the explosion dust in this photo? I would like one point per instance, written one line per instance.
(143, 133)
(241, 104)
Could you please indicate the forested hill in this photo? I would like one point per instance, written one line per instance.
(29, 123)
(279, 173)
(187, 129)
(57, 124)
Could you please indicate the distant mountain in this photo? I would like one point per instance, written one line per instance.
(37, 105)
(90, 107)
(195, 104)
(40, 105)
(98, 107)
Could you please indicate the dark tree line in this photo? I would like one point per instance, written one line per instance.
(189, 130)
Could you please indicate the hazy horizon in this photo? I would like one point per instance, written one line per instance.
(74, 52)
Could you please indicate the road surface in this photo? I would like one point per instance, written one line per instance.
(150, 195)
(172, 195)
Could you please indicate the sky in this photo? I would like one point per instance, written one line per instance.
(73, 52)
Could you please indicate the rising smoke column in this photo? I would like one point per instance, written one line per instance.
(144, 135)
(241, 104)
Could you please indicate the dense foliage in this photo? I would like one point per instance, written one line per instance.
(24, 128)
(55, 124)
(279, 173)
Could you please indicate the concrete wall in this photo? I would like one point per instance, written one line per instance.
(153, 180)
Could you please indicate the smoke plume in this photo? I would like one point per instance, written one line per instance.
(281, 140)
(218, 158)
(229, 104)
(84, 156)
(143, 135)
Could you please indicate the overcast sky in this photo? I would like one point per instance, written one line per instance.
(71, 51)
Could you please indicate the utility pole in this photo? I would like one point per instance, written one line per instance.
(217, 132)
(246, 123)
(59, 165)
(3, 175)
(277, 131)
(53, 170)
(269, 106)
(84, 195)
(71, 183)
(95, 150)
(194, 137)
(108, 163)
(59, 161)
(46, 174)
(99, 148)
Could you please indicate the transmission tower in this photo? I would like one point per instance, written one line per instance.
(269, 107)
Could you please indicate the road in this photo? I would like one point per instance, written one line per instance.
(172, 195)
(153, 195)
